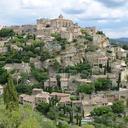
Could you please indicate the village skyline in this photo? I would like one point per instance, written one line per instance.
(109, 16)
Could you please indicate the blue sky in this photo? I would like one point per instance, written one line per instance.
(111, 16)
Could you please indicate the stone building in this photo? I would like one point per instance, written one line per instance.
(58, 23)
(65, 27)
(42, 97)
(27, 100)
(39, 96)
(97, 58)
(23, 29)
(63, 97)
(52, 82)
(121, 53)
(21, 67)
(36, 91)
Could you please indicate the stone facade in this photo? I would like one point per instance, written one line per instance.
(23, 29)
(96, 58)
(21, 67)
(52, 82)
(40, 96)
(65, 27)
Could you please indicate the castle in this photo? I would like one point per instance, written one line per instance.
(65, 27)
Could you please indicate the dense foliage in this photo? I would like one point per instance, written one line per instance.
(98, 85)
(83, 68)
(86, 88)
(5, 32)
(10, 96)
(110, 116)
(3, 75)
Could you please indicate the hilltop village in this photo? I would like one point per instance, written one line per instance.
(57, 62)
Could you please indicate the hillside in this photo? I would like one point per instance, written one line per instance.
(121, 41)
(68, 75)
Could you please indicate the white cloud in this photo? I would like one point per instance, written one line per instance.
(16, 11)
(116, 33)
(35, 3)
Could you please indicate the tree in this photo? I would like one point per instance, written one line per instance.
(53, 113)
(84, 74)
(119, 80)
(108, 67)
(39, 74)
(63, 125)
(23, 88)
(3, 75)
(101, 111)
(5, 32)
(54, 100)
(118, 107)
(61, 41)
(43, 107)
(86, 88)
(10, 96)
(102, 84)
(58, 77)
(24, 117)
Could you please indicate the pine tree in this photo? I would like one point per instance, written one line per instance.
(10, 96)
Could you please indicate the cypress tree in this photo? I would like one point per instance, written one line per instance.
(119, 81)
(10, 96)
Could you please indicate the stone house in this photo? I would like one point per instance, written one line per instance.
(36, 91)
(63, 97)
(97, 58)
(64, 83)
(27, 100)
(72, 55)
(122, 94)
(121, 53)
(52, 82)
(65, 100)
(36, 61)
(42, 97)
(83, 81)
(38, 96)
(59, 95)
(21, 67)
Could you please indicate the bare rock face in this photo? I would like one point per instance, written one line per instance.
(100, 40)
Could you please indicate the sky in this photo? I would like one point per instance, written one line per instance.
(110, 16)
